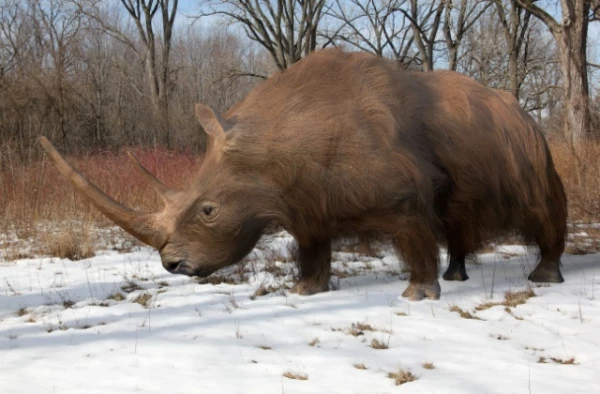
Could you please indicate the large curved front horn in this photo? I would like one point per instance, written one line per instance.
(140, 225)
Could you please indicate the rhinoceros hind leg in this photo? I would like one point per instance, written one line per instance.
(456, 270)
(546, 273)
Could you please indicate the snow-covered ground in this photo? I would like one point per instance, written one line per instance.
(119, 323)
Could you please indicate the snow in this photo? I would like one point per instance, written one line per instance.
(60, 332)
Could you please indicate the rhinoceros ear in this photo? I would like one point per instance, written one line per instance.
(211, 121)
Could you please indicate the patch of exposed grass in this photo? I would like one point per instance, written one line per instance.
(464, 314)
(515, 298)
(70, 243)
(116, 296)
(143, 299)
(357, 329)
(511, 300)
(401, 314)
(295, 375)
(264, 347)
(68, 304)
(379, 345)
(130, 286)
(314, 342)
(487, 305)
(569, 361)
(428, 365)
(402, 376)
(22, 312)
(217, 279)
(360, 366)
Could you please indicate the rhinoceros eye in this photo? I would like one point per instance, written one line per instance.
(209, 212)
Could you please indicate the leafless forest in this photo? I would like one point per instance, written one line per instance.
(99, 76)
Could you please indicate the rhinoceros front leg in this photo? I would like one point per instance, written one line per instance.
(314, 266)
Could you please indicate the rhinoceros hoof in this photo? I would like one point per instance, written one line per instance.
(308, 288)
(545, 275)
(455, 275)
(419, 291)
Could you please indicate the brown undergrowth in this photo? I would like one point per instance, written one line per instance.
(580, 173)
(39, 207)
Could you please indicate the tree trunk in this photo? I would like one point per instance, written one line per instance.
(571, 37)
(513, 72)
(572, 43)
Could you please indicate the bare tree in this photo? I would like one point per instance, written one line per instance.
(514, 20)
(56, 27)
(287, 29)
(571, 36)
(459, 18)
(15, 35)
(374, 26)
(425, 21)
(155, 47)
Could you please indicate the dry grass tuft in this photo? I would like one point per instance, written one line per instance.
(73, 244)
(264, 347)
(515, 298)
(357, 329)
(116, 296)
(217, 279)
(511, 300)
(68, 304)
(428, 365)
(379, 345)
(130, 286)
(143, 299)
(314, 342)
(22, 312)
(360, 366)
(464, 314)
(295, 375)
(402, 376)
(570, 361)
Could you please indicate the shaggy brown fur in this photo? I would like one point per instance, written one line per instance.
(351, 142)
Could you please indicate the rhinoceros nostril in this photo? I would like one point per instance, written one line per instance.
(172, 266)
